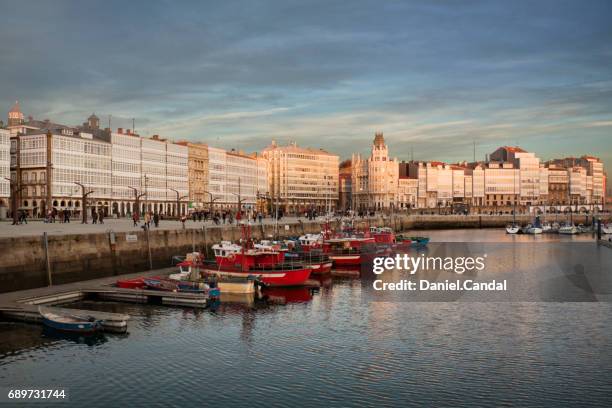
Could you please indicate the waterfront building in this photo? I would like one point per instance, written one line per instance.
(236, 178)
(50, 162)
(198, 174)
(529, 173)
(558, 185)
(15, 116)
(434, 182)
(345, 186)
(475, 176)
(177, 179)
(407, 192)
(302, 178)
(5, 169)
(594, 192)
(501, 184)
(126, 182)
(375, 179)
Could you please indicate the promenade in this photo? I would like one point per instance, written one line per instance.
(37, 227)
(425, 221)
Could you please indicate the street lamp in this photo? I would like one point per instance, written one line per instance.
(84, 196)
(212, 200)
(178, 201)
(137, 198)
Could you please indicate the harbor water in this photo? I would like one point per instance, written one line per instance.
(346, 345)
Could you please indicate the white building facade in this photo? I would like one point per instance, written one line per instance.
(302, 179)
(5, 167)
(116, 169)
(235, 179)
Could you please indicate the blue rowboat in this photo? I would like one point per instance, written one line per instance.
(419, 241)
(69, 323)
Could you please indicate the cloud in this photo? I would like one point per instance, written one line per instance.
(432, 76)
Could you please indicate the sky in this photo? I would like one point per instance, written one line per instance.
(433, 76)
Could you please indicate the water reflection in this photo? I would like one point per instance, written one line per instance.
(344, 345)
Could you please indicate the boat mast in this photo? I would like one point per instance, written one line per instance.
(569, 196)
(514, 198)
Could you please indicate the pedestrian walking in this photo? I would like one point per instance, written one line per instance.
(156, 220)
(94, 217)
(135, 218)
(101, 217)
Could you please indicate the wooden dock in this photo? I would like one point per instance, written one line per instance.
(149, 296)
(23, 305)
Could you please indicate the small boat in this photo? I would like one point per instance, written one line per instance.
(512, 229)
(161, 284)
(536, 227)
(533, 230)
(583, 228)
(547, 227)
(569, 229)
(69, 323)
(415, 241)
(606, 229)
(309, 242)
(137, 283)
(224, 284)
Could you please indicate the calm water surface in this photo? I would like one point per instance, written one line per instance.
(341, 345)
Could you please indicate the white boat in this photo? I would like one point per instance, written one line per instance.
(546, 227)
(606, 229)
(534, 230)
(568, 229)
(225, 285)
(512, 229)
(583, 228)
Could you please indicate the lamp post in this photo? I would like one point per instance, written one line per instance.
(15, 190)
(212, 200)
(267, 199)
(137, 198)
(84, 195)
(178, 201)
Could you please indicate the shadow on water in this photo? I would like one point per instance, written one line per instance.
(92, 339)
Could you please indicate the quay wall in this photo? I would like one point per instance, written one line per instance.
(72, 258)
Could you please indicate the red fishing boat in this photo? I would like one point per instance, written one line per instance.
(382, 235)
(319, 262)
(245, 260)
(348, 251)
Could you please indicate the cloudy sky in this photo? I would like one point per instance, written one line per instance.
(433, 76)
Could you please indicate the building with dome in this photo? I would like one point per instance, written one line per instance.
(375, 179)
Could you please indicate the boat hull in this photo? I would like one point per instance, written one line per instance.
(296, 277)
(137, 283)
(321, 268)
(69, 324)
(85, 327)
(346, 260)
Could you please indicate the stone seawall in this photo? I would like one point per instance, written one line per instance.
(23, 264)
